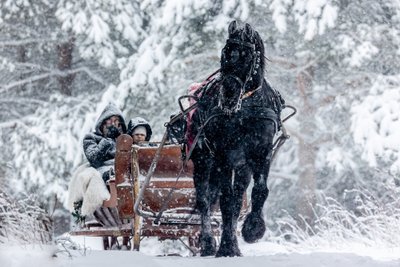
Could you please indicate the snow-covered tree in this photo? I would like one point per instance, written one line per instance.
(331, 52)
(46, 89)
(70, 58)
(181, 44)
(376, 125)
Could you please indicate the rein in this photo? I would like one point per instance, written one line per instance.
(164, 206)
(276, 146)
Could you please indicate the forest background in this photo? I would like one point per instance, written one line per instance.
(336, 61)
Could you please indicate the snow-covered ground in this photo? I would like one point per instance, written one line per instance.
(259, 254)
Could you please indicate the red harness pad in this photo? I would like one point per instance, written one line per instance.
(189, 134)
(193, 88)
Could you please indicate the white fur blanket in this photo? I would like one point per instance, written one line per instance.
(87, 185)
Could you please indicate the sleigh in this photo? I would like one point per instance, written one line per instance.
(153, 194)
(166, 206)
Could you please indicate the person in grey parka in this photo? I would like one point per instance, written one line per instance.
(100, 146)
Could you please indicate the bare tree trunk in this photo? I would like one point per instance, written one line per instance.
(64, 51)
(306, 199)
(21, 53)
(21, 57)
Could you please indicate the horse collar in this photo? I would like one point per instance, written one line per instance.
(250, 93)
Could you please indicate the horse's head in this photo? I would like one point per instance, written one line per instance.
(242, 65)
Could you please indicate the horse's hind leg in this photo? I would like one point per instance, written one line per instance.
(214, 187)
(254, 226)
(201, 177)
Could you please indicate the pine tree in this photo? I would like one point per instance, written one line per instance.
(332, 60)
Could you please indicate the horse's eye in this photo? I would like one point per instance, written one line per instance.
(235, 55)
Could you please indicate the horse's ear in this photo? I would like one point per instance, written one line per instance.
(257, 37)
(232, 27)
(249, 31)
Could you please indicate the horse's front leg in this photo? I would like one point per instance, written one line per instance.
(202, 168)
(242, 177)
(254, 226)
(229, 245)
(241, 182)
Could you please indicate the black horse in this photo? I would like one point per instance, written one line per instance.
(234, 124)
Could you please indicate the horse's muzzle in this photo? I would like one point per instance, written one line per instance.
(230, 94)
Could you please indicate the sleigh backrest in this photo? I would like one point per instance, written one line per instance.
(169, 164)
(165, 190)
(132, 163)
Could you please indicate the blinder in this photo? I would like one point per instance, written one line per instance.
(231, 54)
(241, 43)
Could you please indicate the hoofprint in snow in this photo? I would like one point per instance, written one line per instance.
(259, 254)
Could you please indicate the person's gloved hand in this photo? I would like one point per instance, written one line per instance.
(107, 147)
(105, 144)
(111, 152)
(108, 174)
(113, 132)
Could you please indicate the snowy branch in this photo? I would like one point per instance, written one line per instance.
(92, 75)
(21, 101)
(311, 63)
(23, 221)
(285, 63)
(9, 124)
(56, 73)
(24, 81)
(26, 42)
(31, 66)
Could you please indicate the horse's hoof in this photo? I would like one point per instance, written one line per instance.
(232, 252)
(208, 252)
(229, 249)
(208, 246)
(253, 228)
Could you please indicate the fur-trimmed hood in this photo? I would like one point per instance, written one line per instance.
(110, 110)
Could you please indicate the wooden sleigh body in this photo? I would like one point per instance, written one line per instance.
(116, 218)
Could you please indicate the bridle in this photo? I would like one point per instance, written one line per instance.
(253, 70)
